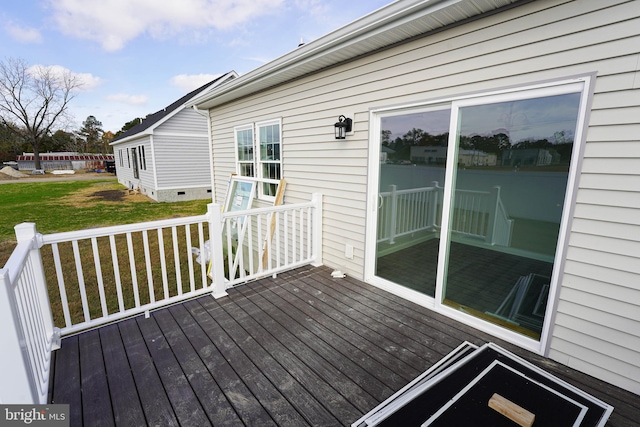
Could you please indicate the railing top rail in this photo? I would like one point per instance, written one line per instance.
(256, 211)
(152, 225)
(119, 229)
(484, 193)
(16, 261)
(410, 190)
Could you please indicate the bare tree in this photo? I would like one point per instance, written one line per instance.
(35, 98)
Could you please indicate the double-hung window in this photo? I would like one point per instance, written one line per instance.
(258, 154)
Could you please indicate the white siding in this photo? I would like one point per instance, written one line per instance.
(185, 122)
(182, 161)
(181, 149)
(145, 181)
(534, 42)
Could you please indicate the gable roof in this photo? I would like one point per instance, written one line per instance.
(387, 26)
(153, 120)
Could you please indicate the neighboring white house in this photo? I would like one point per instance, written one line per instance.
(456, 69)
(438, 155)
(166, 156)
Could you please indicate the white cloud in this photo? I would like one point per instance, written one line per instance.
(128, 99)
(116, 22)
(23, 34)
(87, 80)
(189, 82)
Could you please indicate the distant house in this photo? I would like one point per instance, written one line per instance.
(546, 258)
(438, 156)
(65, 161)
(166, 156)
(530, 157)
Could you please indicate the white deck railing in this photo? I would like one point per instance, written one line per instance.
(27, 332)
(92, 277)
(479, 214)
(270, 240)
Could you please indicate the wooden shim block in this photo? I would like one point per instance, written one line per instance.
(515, 413)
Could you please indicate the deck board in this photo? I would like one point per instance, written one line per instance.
(244, 403)
(127, 409)
(300, 349)
(96, 400)
(66, 379)
(153, 399)
(259, 385)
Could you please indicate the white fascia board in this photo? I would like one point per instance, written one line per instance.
(138, 135)
(383, 20)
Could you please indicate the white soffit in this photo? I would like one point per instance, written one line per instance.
(388, 25)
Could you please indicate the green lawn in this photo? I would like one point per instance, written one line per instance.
(75, 205)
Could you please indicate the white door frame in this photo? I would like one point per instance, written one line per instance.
(582, 84)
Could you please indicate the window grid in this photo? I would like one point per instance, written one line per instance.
(267, 164)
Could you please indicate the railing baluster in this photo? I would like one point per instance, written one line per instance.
(301, 233)
(61, 286)
(278, 240)
(147, 261)
(116, 272)
(187, 233)
(133, 269)
(96, 262)
(81, 284)
(293, 235)
(163, 264)
(248, 238)
(176, 258)
(286, 236)
(203, 261)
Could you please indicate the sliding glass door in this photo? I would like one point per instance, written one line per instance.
(413, 155)
(471, 198)
(509, 185)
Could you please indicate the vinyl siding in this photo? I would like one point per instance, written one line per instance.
(145, 182)
(181, 161)
(538, 41)
(184, 122)
(182, 152)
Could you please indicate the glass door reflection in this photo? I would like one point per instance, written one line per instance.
(510, 182)
(413, 154)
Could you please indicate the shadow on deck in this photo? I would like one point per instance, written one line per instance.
(301, 349)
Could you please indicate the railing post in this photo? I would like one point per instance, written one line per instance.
(494, 199)
(433, 212)
(27, 232)
(316, 198)
(393, 217)
(216, 272)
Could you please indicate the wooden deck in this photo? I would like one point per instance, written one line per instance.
(301, 349)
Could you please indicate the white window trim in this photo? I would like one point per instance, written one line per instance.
(235, 143)
(257, 162)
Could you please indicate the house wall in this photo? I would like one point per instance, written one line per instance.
(181, 151)
(145, 183)
(597, 327)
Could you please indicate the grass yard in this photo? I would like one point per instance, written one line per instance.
(75, 205)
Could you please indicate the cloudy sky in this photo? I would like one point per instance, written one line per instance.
(138, 56)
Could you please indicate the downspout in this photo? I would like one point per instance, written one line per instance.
(210, 139)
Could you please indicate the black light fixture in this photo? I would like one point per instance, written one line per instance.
(342, 127)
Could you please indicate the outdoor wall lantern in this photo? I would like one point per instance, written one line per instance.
(342, 126)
